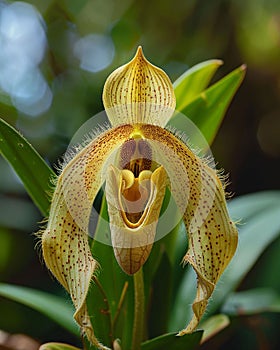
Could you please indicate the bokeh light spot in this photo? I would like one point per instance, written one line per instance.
(95, 52)
(22, 48)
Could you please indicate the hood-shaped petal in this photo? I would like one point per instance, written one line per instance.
(200, 196)
(139, 92)
(65, 240)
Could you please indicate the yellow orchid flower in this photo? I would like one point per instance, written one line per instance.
(138, 159)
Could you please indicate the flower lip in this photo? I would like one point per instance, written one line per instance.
(133, 234)
(135, 200)
(136, 186)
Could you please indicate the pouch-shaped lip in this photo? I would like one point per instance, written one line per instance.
(153, 186)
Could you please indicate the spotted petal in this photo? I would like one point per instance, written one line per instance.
(65, 241)
(212, 235)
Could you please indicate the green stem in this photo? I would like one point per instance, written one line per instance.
(120, 304)
(139, 310)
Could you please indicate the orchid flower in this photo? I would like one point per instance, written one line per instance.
(137, 159)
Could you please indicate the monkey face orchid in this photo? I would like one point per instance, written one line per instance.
(138, 159)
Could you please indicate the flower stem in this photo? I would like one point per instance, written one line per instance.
(139, 310)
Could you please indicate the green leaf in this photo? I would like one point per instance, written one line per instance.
(50, 305)
(255, 235)
(259, 214)
(193, 82)
(252, 301)
(28, 164)
(160, 301)
(57, 346)
(246, 207)
(213, 326)
(174, 342)
(181, 311)
(207, 110)
(267, 268)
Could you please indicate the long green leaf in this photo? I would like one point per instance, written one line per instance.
(52, 306)
(244, 208)
(28, 164)
(160, 301)
(255, 235)
(193, 82)
(171, 341)
(252, 301)
(268, 268)
(213, 325)
(208, 109)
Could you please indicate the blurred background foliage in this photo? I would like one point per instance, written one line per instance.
(54, 59)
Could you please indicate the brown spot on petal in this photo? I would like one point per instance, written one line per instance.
(212, 235)
(67, 253)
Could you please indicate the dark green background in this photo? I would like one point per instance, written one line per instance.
(175, 35)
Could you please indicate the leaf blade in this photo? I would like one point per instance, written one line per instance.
(252, 243)
(207, 110)
(213, 325)
(28, 164)
(171, 341)
(50, 305)
(194, 81)
(252, 301)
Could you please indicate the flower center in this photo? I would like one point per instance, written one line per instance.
(134, 196)
(136, 156)
(135, 162)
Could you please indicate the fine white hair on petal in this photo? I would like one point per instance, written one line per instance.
(206, 157)
(181, 135)
(85, 140)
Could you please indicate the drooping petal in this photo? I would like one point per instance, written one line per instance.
(139, 92)
(67, 255)
(212, 235)
(65, 241)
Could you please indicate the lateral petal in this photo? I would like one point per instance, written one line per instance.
(65, 240)
(212, 236)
